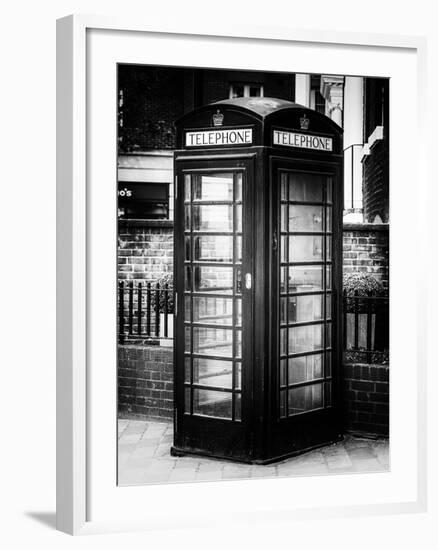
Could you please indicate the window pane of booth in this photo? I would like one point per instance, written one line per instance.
(212, 372)
(305, 278)
(306, 187)
(213, 279)
(305, 308)
(212, 403)
(217, 311)
(237, 407)
(213, 217)
(213, 341)
(213, 187)
(305, 368)
(237, 375)
(305, 218)
(213, 248)
(305, 248)
(238, 312)
(305, 398)
(305, 338)
(238, 210)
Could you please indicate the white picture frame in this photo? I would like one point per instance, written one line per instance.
(87, 500)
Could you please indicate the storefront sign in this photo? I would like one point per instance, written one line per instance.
(237, 136)
(303, 141)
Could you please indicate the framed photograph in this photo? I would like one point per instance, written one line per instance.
(238, 329)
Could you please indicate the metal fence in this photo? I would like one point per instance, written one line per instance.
(366, 328)
(145, 310)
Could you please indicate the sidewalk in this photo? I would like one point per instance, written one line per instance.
(144, 457)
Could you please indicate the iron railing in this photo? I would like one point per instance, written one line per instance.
(366, 328)
(145, 310)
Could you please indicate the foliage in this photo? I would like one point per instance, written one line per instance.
(162, 282)
(365, 284)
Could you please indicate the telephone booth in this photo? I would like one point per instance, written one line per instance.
(258, 253)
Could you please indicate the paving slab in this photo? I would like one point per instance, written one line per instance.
(144, 458)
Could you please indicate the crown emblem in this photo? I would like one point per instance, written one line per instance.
(304, 123)
(218, 118)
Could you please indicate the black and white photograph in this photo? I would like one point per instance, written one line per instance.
(253, 274)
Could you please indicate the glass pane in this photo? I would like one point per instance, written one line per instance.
(187, 334)
(187, 218)
(238, 375)
(237, 407)
(213, 341)
(213, 248)
(328, 282)
(305, 398)
(238, 343)
(213, 217)
(187, 309)
(283, 367)
(238, 208)
(212, 372)
(328, 335)
(187, 400)
(305, 308)
(304, 368)
(305, 187)
(212, 403)
(283, 311)
(305, 218)
(283, 278)
(305, 248)
(213, 187)
(238, 241)
(283, 183)
(329, 248)
(305, 278)
(329, 219)
(283, 249)
(213, 279)
(187, 373)
(188, 278)
(283, 341)
(188, 243)
(329, 190)
(283, 218)
(238, 312)
(307, 338)
(187, 181)
(238, 187)
(328, 307)
(254, 91)
(213, 310)
(328, 363)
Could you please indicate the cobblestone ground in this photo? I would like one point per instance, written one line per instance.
(144, 457)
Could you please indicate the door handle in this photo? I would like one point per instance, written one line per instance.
(248, 281)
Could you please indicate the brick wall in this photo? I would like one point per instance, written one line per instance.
(376, 183)
(365, 393)
(145, 381)
(366, 250)
(145, 249)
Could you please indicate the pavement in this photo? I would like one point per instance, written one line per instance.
(144, 458)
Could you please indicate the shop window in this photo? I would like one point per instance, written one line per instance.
(144, 201)
(245, 90)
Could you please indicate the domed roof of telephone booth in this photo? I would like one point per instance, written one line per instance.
(262, 113)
